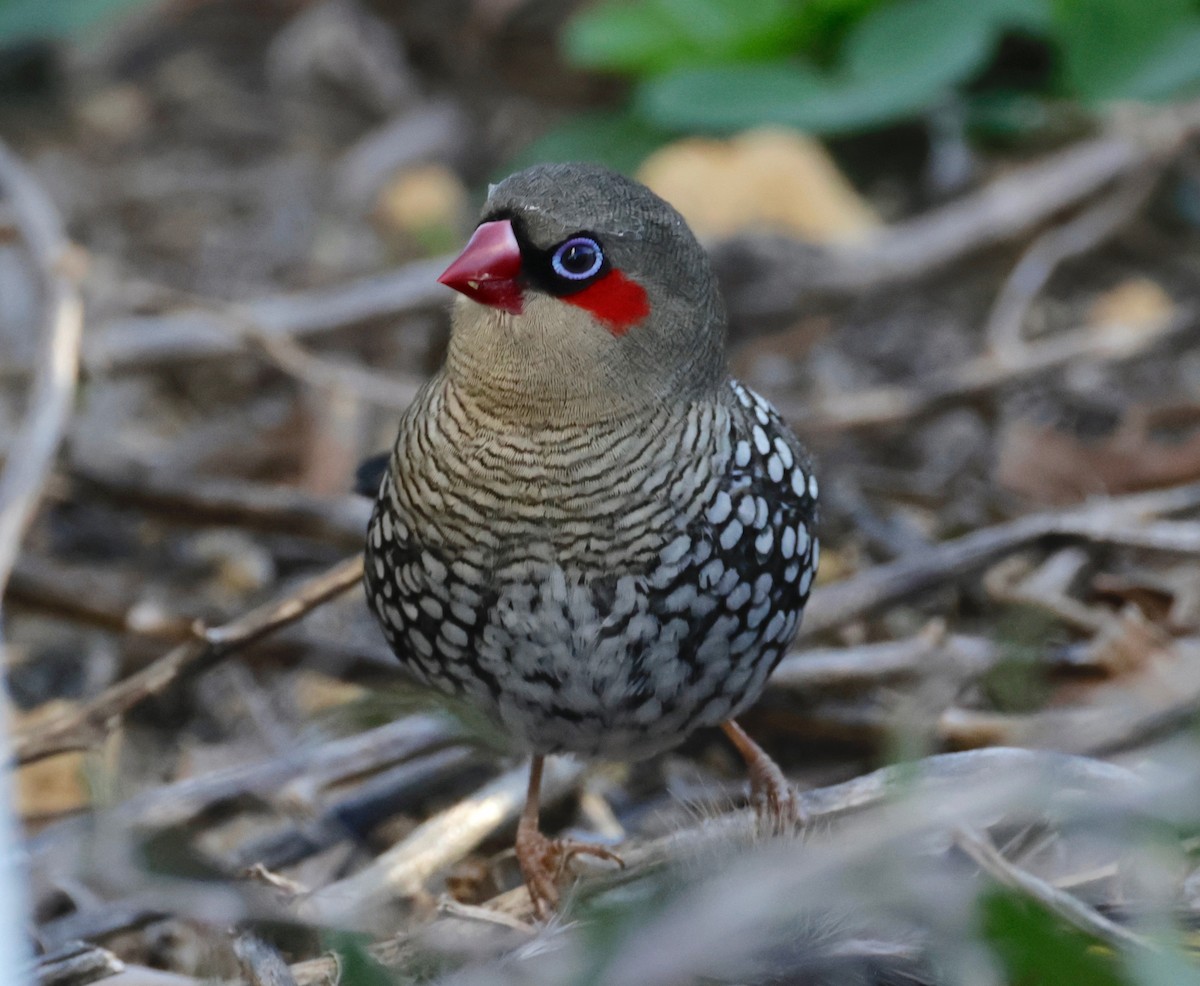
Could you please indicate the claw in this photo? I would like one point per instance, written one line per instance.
(543, 861)
(773, 798)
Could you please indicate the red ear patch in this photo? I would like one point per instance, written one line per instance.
(615, 300)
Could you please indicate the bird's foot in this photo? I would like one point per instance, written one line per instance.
(773, 798)
(543, 862)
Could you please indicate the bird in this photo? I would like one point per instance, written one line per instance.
(586, 527)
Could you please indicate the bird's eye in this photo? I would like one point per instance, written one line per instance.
(577, 259)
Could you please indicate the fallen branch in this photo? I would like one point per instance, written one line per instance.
(883, 406)
(139, 342)
(229, 502)
(383, 390)
(295, 781)
(816, 670)
(83, 727)
(304, 770)
(89, 597)
(1137, 706)
(354, 812)
(1117, 520)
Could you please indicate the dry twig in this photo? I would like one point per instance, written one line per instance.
(384, 390)
(289, 775)
(1084, 232)
(81, 728)
(76, 964)
(437, 843)
(816, 670)
(883, 406)
(53, 390)
(139, 342)
(947, 786)
(261, 961)
(1162, 695)
(41, 584)
(231, 502)
(374, 799)
(1116, 520)
(768, 279)
(1069, 908)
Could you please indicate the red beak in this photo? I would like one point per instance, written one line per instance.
(486, 271)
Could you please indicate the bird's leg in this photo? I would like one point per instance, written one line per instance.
(535, 853)
(773, 798)
(543, 860)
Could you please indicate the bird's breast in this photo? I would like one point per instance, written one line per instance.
(597, 498)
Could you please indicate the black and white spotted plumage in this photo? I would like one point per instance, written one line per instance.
(601, 572)
(617, 660)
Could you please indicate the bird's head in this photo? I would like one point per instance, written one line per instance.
(584, 294)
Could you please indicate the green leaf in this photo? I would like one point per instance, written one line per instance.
(1034, 16)
(788, 94)
(784, 93)
(358, 968)
(939, 40)
(619, 140)
(1171, 69)
(1037, 949)
(1113, 48)
(620, 38)
(722, 29)
(897, 61)
(31, 20)
(822, 25)
(653, 36)
(935, 40)
(736, 96)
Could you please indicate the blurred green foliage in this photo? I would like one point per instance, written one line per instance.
(1036, 949)
(1019, 681)
(356, 967)
(843, 66)
(40, 20)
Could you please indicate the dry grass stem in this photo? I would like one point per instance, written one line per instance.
(1069, 908)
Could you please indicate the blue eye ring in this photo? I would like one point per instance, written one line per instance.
(570, 259)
